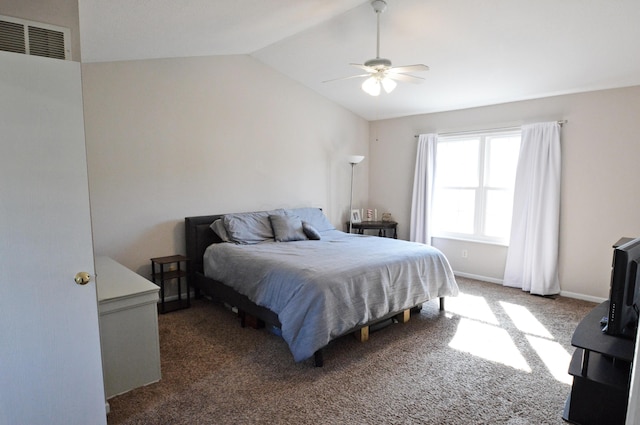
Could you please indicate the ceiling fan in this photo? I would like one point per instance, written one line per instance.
(380, 72)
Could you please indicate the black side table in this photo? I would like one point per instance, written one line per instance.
(380, 226)
(159, 276)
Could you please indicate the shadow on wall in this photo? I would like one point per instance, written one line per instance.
(161, 239)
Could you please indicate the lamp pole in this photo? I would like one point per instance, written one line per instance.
(353, 160)
(351, 197)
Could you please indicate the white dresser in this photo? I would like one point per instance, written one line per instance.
(127, 304)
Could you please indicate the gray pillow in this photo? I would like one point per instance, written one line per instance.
(310, 231)
(250, 227)
(314, 216)
(287, 228)
(218, 228)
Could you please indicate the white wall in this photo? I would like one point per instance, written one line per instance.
(173, 138)
(601, 172)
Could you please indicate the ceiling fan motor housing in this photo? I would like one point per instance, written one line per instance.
(378, 63)
(379, 5)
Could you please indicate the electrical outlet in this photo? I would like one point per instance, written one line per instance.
(465, 253)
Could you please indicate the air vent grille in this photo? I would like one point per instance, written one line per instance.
(33, 38)
(12, 37)
(47, 43)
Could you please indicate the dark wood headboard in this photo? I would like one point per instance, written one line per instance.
(198, 236)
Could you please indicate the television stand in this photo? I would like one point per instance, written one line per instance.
(601, 370)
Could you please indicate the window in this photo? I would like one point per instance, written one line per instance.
(473, 186)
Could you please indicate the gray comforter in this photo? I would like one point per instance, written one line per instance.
(322, 289)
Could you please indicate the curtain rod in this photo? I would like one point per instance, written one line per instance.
(561, 122)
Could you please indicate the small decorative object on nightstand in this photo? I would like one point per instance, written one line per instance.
(159, 276)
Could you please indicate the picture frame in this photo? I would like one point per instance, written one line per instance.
(355, 216)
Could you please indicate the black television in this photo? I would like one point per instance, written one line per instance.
(624, 293)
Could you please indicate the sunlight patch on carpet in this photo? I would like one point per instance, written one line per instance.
(471, 307)
(488, 342)
(525, 321)
(554, 357)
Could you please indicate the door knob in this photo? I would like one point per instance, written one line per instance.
(82, 278)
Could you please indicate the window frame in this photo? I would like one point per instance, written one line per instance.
(481, 190)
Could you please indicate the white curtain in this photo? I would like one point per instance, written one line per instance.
(420, 229)
(532, 258)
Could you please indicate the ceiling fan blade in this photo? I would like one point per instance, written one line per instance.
(409, 68)
(347, 78)
(366, 68)
(405, 77)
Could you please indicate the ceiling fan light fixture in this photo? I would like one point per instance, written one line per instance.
(388, 84)
(371, 86)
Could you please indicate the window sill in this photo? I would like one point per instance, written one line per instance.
(472, 240)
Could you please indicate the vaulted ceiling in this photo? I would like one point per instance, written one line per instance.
(480, 52)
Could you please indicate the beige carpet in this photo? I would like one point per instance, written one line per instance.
(497, 356)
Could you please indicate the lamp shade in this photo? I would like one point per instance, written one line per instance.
(388, 84)
(355, 159)
(371, 86)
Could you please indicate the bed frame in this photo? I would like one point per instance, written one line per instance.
(198, 236)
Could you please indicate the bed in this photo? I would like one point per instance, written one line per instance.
(293, 271)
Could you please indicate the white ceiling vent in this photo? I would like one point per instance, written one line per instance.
(34, 38)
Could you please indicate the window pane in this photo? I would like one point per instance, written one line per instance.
(502, 160)
(453, 210)
(497, 219)
(458, 163)
(474, 180)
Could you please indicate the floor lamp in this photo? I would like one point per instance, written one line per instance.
(353, 160)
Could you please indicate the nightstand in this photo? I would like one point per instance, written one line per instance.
(380, 226)
(168, 268)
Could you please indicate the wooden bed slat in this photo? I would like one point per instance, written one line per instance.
(362, 334)
(404, 316)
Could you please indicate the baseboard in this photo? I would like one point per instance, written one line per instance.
(567, 294)
(175, 297)
(478, 277)
(582, 297)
